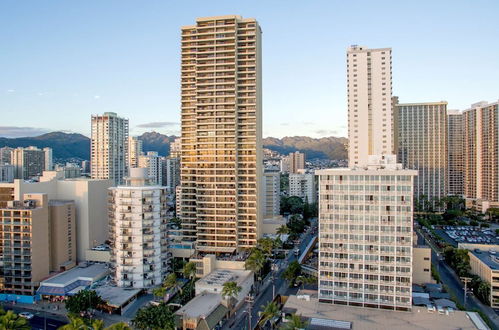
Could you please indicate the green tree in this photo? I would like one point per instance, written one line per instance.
(75, 323)
(83, 301)
(483, 292)
(170, 282)
(292, 205)
(119, 326)
(255, 261)
(269, 313)
(302, 279)
(295, 322)
(190, 270)
(283, 229)
(11, 321)
(97, 325)
(155, 318)
(266, 245)
(292, 272)
(230, 290)
(493, 214)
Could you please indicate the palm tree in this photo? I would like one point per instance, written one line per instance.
(190, 270)
(283, 229)
(118, 326)
(11, 321)
(266, 245)
(230, 290)
(306, 280)
(97, 325)
(170, 282)
(295, 322)
(255, 262)
(75, 323)
(269, 313)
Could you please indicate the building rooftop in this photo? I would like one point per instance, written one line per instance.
(90, 273)
(59, 202)
(489, 258)
(200, 306)
(219, 276)
(116, 296)
(370, 319)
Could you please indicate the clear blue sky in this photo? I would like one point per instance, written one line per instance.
(61, 61)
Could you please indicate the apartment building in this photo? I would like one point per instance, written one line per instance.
(272, 194)
(154, 165)
(7, 173)
(30, 162)
(365, 235)
(455, 153)
(5, 155)
(134, 151)
(369, 80)
(221, 147)
(422, 145)
(302, 184)
(36, 237)
(109, 147)
(484, 263)
(138, 231)
(481, 155)
(171, 173)
(176, 148)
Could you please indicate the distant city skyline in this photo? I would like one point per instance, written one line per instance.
(66, 61)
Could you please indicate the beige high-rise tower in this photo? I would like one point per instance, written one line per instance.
(221, 158)
(369, 77)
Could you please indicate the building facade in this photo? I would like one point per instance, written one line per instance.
(134, 151)
(5, 155)
(369, 79)
(221, 162)
(296, 161)
(455, 153)
(303, 185)
(30, 162)
(176, 148)
(137, 231)
(7, 173)
(171, 173)
(422, 145)
(365, 236)
(154, 164)
(109, 147)
(272, 194)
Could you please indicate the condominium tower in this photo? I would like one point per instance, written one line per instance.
(421, 130)
(221, 157)
(154, 165)
(455, 153)
(137, 231)
(369, 79)
(30, 162)
(109, 150)
(134, 151)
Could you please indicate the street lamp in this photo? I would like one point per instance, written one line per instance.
(249, 299)
(466, 280)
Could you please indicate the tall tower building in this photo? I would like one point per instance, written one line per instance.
(30, 162)
(272, 194)
(134, 151)
(481, 155)
(175, 148)
(296, 161)
(5, 155)
(369, 77)
(455, 153)
(138, 232)
(154, 164)
(109, 149)
(422, 145)
(221, 162)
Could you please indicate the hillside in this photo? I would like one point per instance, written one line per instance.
(154, 141)
(324, 148)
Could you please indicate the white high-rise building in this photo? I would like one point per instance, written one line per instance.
(5, 155)
(369, 77)
(176, 148)
(153, 162)
(171, 173)
(138, 232)
(272, 194)
(302, 184)
(109, 147)
(221, 163)
(134, 151)
(49, 165)
(30, 162)
(455, 152)
(6, 173)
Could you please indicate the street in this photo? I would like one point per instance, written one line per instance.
(240, 319)
(41, 320)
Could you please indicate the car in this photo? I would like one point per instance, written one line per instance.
(26, 315)
(440, 310)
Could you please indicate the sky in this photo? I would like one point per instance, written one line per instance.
(62, 61)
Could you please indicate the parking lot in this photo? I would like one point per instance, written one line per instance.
(468, 234)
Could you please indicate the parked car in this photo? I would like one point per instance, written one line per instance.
(26, 315)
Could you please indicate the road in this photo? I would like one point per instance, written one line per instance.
(41, 320)
(451, 280)
(240, 319)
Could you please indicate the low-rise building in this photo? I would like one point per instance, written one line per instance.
(204, 311)
(214, 281)
(485, 263)
(421, 265)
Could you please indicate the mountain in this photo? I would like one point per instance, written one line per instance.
(154, 141)
(324, 148)
(64, 145)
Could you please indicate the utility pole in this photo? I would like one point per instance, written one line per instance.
(465, 280)
(249, 300)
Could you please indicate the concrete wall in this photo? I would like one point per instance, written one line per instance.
(421, 265)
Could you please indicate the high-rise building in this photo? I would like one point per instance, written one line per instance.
(109, 147)
(421, 132)
(138, 231)
(272, 194)
(481, 155)
(221, 163)
(176, 148)
(7, 173)
(134, 151)
(171, 173)
(365, 235)
(85, 167)
(369, 77)
(455, 153)
(30, 162)
(296, 161)
(48, 159)
(153, 162)
(36, 237)
(5, 155)
(302, 184)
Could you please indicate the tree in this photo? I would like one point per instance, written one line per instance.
(190, 270)
(493, 214)
(483, 292)
(119, 326)
(170, 282)
(266, 245)
(255, 261)
(97, 325)
(11, 321)
(292, 272)
(176, 222)
(269, 313)
(283, 229)
(292, 205)
(302, 279)
(83, 301)
(295, 322)
(75, 323)
(154, 317)
(230, 290)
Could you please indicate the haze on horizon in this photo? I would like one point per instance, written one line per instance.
(63, 61)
